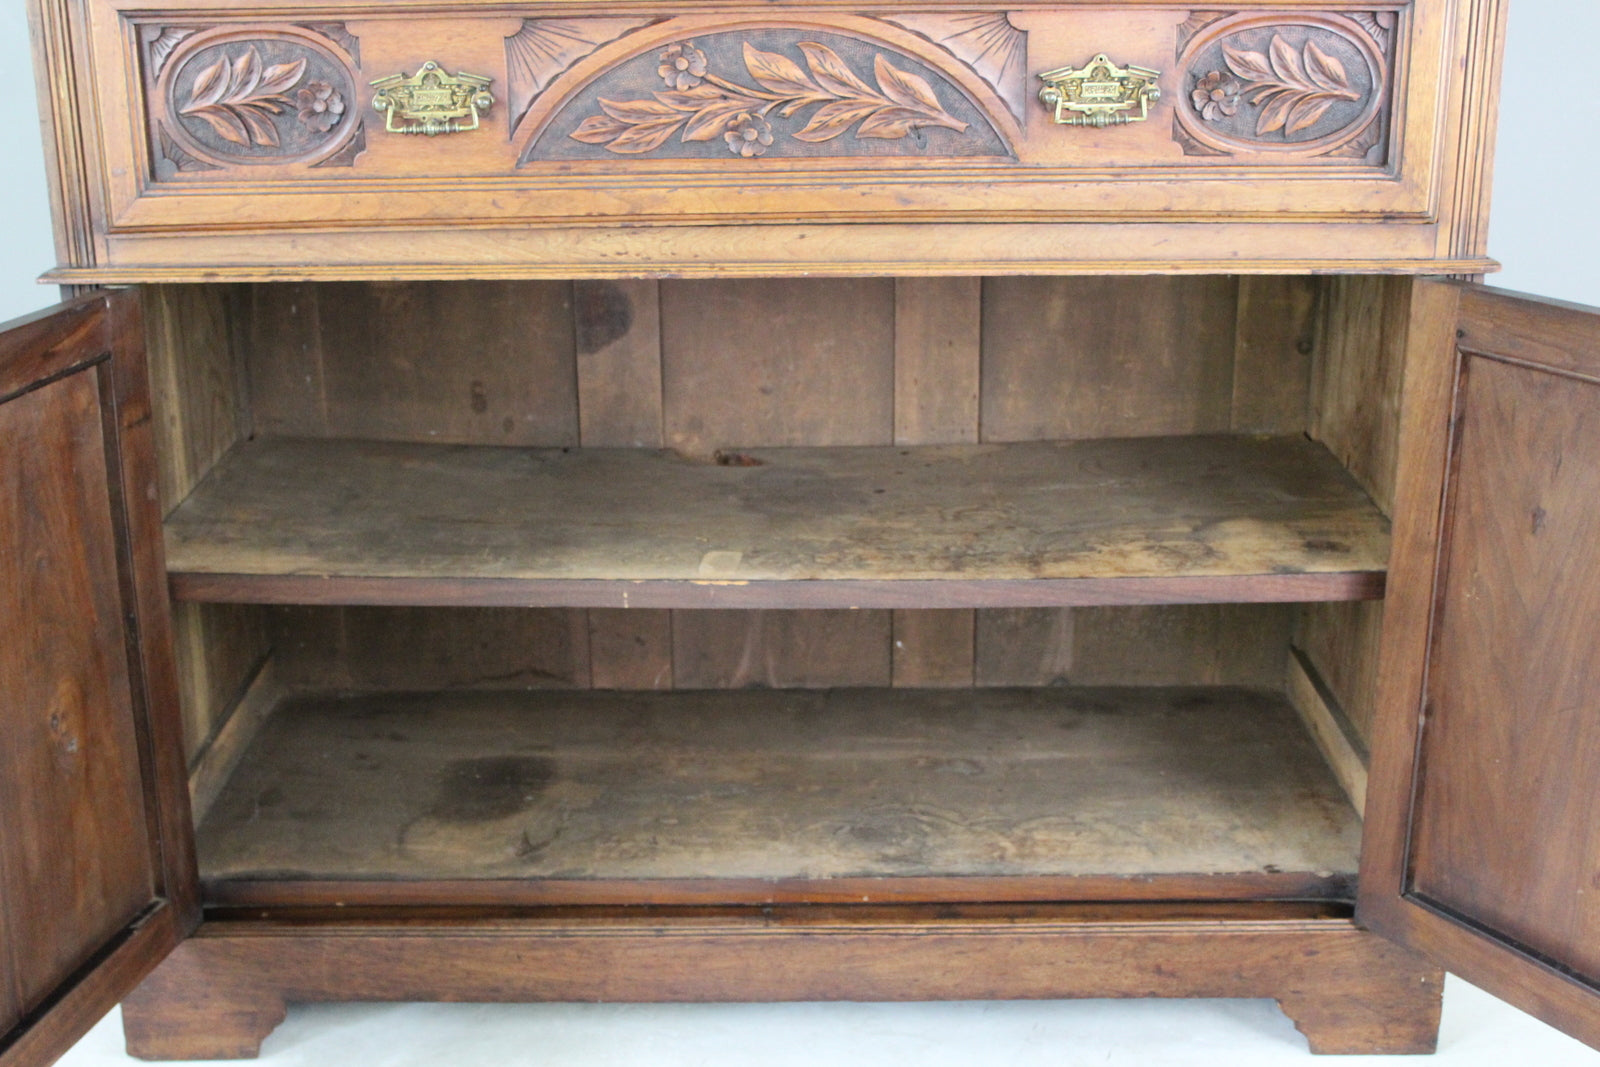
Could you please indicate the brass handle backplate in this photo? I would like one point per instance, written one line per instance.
(431, 102)
(1100, 93)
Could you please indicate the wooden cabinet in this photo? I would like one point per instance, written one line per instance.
(483, 565)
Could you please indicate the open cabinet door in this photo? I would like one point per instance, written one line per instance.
(97, 880)
(1483, 811)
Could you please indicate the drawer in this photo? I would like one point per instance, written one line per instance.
(435, 130)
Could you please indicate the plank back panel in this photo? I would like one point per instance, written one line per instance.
(749, 363)
(937, 355)
(1071, 358)
(1274, 340)
(617, 332)
(469, 363)
(752, 363)
(684, 364)
(430, 648)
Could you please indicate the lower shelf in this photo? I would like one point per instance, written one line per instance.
(758, 796)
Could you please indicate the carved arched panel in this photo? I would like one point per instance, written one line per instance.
(240, 96)
(858, 88)
(1306, 84)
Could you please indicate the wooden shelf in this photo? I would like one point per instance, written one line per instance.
(1132, 521)
(755, 796)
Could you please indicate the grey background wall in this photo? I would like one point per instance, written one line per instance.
(1546, 212)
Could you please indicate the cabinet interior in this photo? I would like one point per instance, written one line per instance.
(371, 712)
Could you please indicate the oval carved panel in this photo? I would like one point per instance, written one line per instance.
(1307, 84)
(768, 92)
(257, 95)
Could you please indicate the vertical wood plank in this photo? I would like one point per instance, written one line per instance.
(1095, 357)
(1343, 643)
(933, 649)
(937, 333)
(780, 649)
(769, 362)
(1023, 646)
(1356, 386)
(1183, 644)
(1274, 338)
(772, 362)
(617, 331)
(218, 648)
(200, 404)
(453, 362)
(937, 336)
(1360, 358)
(197, 391)
(630, 648)
(282, 341)
(430, 648)
(1107, 357)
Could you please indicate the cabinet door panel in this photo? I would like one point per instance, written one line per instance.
(1484, 846)
(88, 897)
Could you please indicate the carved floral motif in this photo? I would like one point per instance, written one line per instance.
(1310, 84)
(699, 105)
(1292, 89)
(238, 97)
(320, 106)
(258, 95)
(1216, 96)
(683, 66)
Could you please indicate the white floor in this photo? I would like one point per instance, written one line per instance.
(1478, 1031)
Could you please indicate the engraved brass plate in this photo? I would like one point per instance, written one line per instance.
(1099, 93)
(431, 102)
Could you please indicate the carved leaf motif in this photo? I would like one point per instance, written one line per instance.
(1251, 66)
(711, 121)
(1293, 89)
(833, 119)
(778, 73)
(832, 73)
(1325, 71)
(713, 106)
(904, 87)
(598, 129)
(644, 137)
(889, 122)
(238, 98)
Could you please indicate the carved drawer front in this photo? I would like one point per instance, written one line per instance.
(656, 112)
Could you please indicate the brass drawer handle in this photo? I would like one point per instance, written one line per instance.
(431, 102)
(1099, 93)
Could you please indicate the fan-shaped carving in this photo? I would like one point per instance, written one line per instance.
(543, 48)
(162, 45)
(987, 43)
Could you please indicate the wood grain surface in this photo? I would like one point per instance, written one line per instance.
(1481, 844)
(760, 785)
(1347, 990)
(292, 515)
(96, 863)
